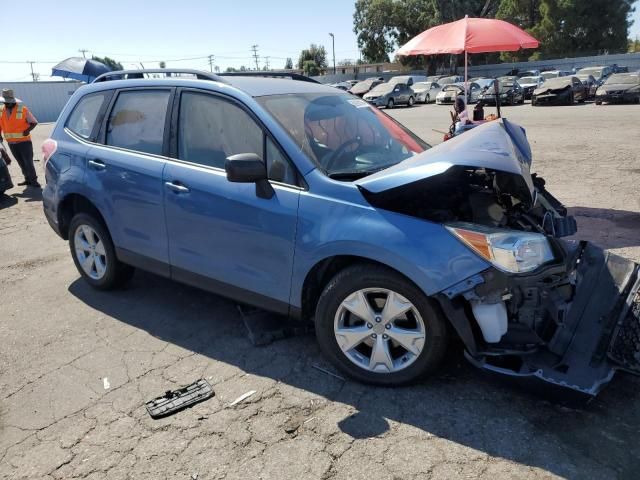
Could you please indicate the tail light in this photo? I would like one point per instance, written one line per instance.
(49, 147)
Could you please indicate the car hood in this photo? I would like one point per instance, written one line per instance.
(618, 86)
(498, 145)
(542, 90)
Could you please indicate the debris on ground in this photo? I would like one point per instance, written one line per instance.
(176, 400)
(264, 327)
(328, 372)
(105, 383)
(242, 397)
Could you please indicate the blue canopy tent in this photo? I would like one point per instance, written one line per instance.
(83, 69)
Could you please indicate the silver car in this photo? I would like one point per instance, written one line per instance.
(450, 92)
(389, 95)
(426, 91)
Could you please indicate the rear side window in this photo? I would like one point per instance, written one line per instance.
(137, 120)
(84, 118)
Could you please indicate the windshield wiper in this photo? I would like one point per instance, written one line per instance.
(355, 174)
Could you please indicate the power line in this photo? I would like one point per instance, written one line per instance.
(254, 48)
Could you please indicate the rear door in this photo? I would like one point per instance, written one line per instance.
(124, 173)
(222, 236)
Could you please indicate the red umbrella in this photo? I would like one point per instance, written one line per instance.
(469, 35)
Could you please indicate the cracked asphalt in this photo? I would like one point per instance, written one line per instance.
(77, 365)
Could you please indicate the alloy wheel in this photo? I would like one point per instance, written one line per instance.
(90, 252)
(379, 330)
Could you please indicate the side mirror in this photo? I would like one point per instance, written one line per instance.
(249, 168)
(397, 89)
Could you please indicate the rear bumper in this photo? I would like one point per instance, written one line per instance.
(618, 98)
(572, 325)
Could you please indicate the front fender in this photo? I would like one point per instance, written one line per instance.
(423, 251)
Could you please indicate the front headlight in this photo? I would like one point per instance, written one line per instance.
(508, 250)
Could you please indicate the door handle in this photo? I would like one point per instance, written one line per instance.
(97, 164)
(176, 187)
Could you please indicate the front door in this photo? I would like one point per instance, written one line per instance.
(222, 236)
(126, 175)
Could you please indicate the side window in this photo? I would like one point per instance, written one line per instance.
(278, 166)
(84, 117)
(137, 120)
(212, 129)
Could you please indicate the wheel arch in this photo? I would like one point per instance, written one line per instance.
(72, 204)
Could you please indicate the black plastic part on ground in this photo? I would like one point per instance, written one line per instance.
(175, 400)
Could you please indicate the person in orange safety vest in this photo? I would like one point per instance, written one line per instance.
(16, 123)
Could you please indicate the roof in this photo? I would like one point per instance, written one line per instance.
(252, 84)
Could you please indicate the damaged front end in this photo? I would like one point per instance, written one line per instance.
(561, 311)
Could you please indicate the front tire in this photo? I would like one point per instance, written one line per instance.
(379, 328)
(390, 103)
(411, 102)
(427, 99)
(94, 254)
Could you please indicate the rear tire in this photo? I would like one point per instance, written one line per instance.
(598, 102)
(94, 254)
(423, 326)
(571, 100)
(411, 102)
(390, 103)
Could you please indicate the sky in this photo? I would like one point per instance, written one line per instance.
(172, 30)
(134, 31)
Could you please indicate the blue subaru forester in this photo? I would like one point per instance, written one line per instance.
(306, 201)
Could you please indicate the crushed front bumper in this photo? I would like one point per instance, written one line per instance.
(573, 325)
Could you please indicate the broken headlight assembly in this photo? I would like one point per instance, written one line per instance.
(508, 250)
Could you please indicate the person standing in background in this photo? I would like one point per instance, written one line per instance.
(16, 123)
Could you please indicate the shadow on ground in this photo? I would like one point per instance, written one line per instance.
(459, 404)
(607, 228)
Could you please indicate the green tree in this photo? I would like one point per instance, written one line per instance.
(288, 65)
(109, 62)
(373, 24)
(310, 68)
(316, 54)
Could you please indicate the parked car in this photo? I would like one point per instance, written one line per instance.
(559, 91)
(364, 86)
(600, 73)
(615, 68)
(450, 79)
(408, 80)
(619, 88)
(508, 78)
(529, 84)
(426, 91)
(450, 92)
(482, 82)
(390, 95)
(590, 83)
(510, 91)
(352, 82)
(302, 200)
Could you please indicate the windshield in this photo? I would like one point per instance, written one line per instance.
(420, 86)
(529, 80)
(364, 85)
(596, 72)
(617, 78)
(583, 76)
(453, 88)
(446, 80)
(382, 88)
(343, 135)
(548, 75)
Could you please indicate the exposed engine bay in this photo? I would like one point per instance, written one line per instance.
(481, 196)
(572, 318)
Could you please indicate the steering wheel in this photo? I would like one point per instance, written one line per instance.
(337, 153)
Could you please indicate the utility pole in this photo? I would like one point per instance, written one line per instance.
(266, 62)
(83, 51)
(211, 59)
(333, 43)
(34, 76)
(254, 49)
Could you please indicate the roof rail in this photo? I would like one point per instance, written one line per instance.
(167, 72)
(253, 73)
